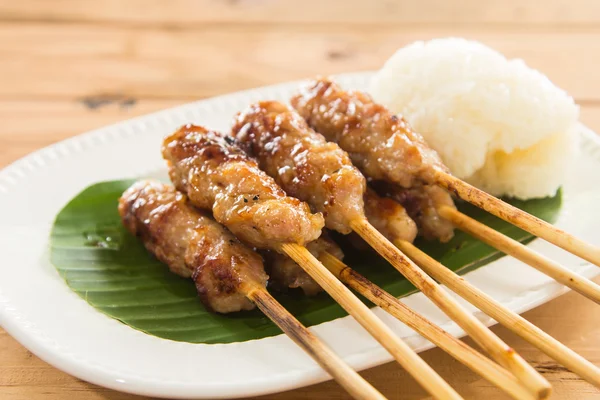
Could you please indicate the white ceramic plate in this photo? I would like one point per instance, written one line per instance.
(41, 312)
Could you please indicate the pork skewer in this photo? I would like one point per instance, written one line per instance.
(507, 245)
(229, 276)
(218, 176)
(319, 172)
(491, 307)
(384, 148)
(354, 121)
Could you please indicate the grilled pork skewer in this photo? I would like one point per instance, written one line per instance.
(346, 117)
(384, 148)
(218, 176)
(229, 276)
(381, 145)
(193, 245)
(321, 173)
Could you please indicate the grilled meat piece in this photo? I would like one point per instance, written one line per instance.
(380, 144)
(421, 203)
(217, 175)
(192, 244)
(389, 217)
(285, 273)
(303, 162)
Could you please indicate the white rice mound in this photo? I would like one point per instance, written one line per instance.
(496, 123)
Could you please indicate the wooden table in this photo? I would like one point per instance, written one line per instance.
(68, 66)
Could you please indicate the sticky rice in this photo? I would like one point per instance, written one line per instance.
(496, 123)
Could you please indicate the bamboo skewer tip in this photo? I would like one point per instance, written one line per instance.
(411, 362)
(506, 317)
(457, 349)
(518, 217)
(521, 252)
(501, 352)
(349, 379)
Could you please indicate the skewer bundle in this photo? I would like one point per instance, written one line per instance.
(228, 275)
(218, 176)
(301, 182)
(319, 172)
(357, 124)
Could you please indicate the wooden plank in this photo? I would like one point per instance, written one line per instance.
(590, 116)
(72, 61)
(30, 125)
(24, 376)
(69, 66)
(188, 12)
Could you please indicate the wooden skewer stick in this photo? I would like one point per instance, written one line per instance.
(418, 368)
(457, 349)
(349, 379)
(506, 317)
(519, 217)
(491, 343)
(511, 247)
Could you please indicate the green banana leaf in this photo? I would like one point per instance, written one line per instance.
(112, 271)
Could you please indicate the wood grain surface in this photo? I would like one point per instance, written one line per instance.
(68, 66)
